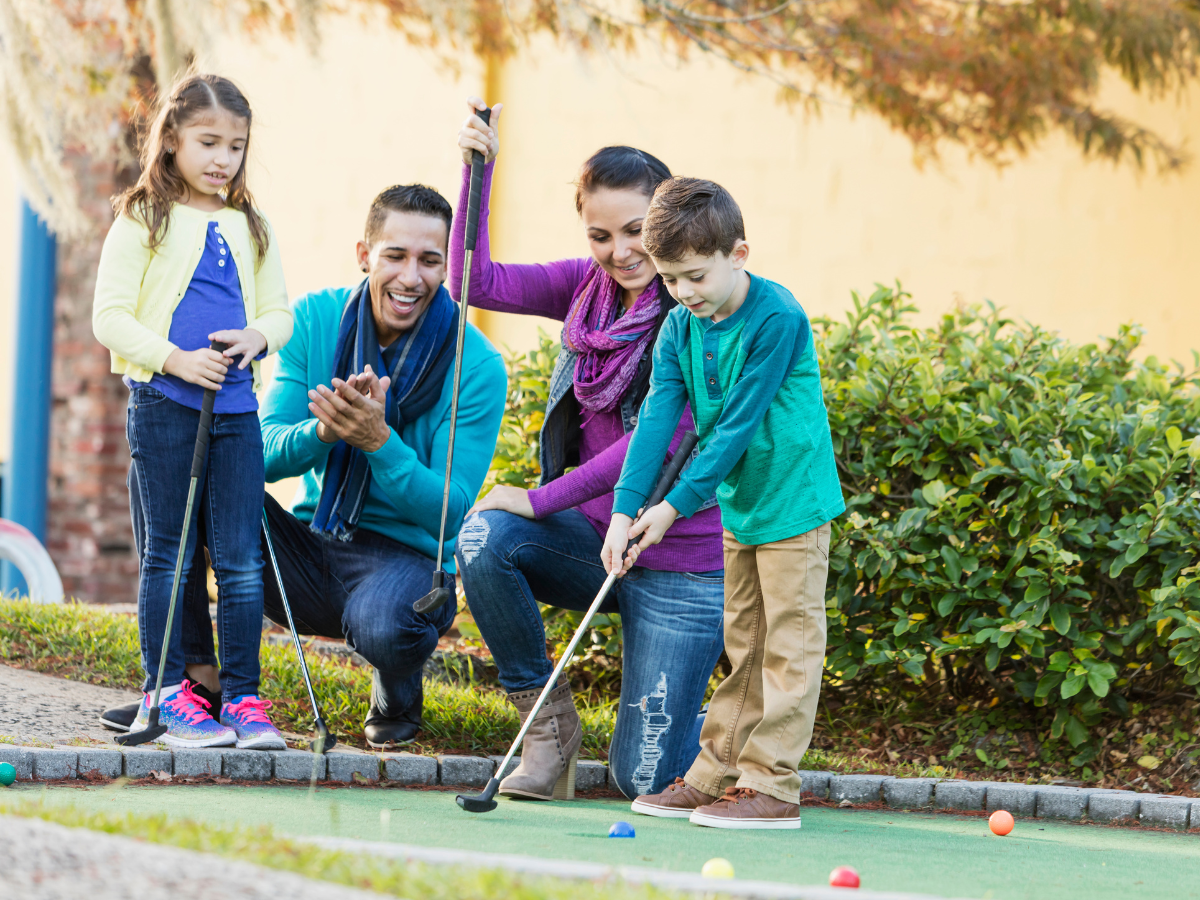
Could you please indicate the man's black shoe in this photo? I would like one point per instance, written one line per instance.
(119, 718)
(387, 731)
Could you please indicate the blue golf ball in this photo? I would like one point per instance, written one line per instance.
(7, 774)
(621, 830)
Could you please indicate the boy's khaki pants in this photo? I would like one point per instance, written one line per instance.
(760, 719)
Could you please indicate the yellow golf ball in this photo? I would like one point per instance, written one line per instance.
(717, 868)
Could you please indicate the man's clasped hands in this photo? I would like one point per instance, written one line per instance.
(352, 410)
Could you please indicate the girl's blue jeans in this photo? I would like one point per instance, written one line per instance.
(228, 508)
(671, 624)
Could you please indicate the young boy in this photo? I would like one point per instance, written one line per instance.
(740, 350)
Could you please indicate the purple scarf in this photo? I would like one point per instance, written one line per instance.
(609, 348)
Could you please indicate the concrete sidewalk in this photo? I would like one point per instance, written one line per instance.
(43, 861)
(37, 707)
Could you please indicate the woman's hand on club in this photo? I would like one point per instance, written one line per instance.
(508, 498)
(244, 342)
(478, 137)
(204, 367)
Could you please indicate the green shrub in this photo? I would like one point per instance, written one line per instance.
(1022, 513)
(1023, 518)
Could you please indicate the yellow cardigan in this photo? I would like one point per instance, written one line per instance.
(137, 289)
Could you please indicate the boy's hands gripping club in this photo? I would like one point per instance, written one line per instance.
(621, 547)
(651, 525)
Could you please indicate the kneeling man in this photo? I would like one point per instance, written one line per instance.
(359, 409)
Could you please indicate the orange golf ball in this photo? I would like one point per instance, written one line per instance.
(1000, 822)
(843, 876)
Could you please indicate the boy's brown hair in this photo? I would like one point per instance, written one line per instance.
(691, 215)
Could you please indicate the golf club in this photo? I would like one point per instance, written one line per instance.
(440, 595)
(153, 731)
(485, 801)
(325, 738)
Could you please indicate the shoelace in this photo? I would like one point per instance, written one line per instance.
(250, 709)
(737, 794)
(187, 705)
(678, 785)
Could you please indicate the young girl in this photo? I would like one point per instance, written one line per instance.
(189, 260)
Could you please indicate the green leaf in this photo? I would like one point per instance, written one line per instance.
(1073, 685)
(953, 562)
(1174, 438)
(934, 492)
(1076, 732)
(1060, 618)
(1098, 683)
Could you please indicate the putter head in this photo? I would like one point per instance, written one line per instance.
(480, 803)
(326, 738)
(151, 733)
(437, 598)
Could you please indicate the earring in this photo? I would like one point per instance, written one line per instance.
(170, 149)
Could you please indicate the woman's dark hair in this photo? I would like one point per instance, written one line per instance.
(620, 168)
(160, 184)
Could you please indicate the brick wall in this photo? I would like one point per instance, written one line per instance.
(88, 531)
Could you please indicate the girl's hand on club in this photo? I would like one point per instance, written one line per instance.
(475, 136)
(244, 342)
(612, 554)
(204, 367)
(508, 498)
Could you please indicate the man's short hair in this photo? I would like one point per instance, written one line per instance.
(411, 198)
(691, 215)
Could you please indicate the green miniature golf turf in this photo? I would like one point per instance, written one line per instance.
(919, 852)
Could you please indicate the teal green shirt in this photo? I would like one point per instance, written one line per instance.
(407, 472)
(755, 387)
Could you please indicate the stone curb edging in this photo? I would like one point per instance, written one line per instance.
(1022, 800)
(59, 763)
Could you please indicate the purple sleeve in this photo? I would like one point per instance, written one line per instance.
(595, 478)
(540, 290)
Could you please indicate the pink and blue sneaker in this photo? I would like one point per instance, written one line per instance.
(188, 725)
(248, 718)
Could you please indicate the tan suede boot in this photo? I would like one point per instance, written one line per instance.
(550, 749)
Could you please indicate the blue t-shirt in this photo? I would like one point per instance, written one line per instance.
(212, 302)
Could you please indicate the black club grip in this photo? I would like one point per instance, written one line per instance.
(476, 188)
(206, 414)
(670, 473)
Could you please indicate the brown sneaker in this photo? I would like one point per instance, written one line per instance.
(676, 802)
(746, 808)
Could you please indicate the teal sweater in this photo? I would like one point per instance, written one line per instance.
(407, 472)
(755, 389)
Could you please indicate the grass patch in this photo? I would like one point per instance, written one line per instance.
(260, 846)
(87, 643)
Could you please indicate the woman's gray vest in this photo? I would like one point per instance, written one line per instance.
(559, 443)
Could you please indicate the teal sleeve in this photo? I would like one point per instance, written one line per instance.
(774, 348)
(417, 489)
(290, 443)
(657, 420)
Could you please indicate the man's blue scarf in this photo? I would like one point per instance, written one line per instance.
(417, 363)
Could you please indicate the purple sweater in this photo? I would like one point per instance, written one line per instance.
(690, 545)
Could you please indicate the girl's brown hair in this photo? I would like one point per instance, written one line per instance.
(160, 184)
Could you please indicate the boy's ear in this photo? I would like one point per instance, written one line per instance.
(739, 254)
(363, 251)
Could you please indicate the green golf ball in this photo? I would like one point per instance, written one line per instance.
(7, 774)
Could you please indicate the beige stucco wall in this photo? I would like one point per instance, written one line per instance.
(832, 203)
